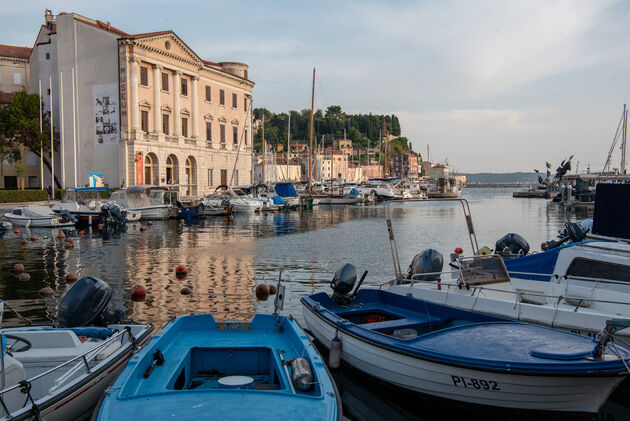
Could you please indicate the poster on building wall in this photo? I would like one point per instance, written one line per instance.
(106, 125)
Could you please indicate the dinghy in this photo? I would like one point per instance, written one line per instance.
(463, 355)
(195, 367)
(60, 373)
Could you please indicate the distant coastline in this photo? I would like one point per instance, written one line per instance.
(515, 179)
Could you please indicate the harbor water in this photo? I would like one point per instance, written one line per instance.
(227, 259)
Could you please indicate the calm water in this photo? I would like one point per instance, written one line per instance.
(226, 258)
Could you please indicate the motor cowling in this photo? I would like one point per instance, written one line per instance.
(511, 244)
(343, 282)
(428, 261)
(86, 304)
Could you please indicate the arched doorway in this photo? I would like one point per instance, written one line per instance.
(151, 169)
(191, 176)
(172, 176)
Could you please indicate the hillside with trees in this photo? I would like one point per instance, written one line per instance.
(363, 129)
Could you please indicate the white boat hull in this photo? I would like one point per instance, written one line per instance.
(37, 222)
(153, 212)
(527, 392)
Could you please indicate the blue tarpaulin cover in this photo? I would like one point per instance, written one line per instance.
(286, 190)
(277, 200)
(543, 263)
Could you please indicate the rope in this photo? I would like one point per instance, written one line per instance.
(19, 316)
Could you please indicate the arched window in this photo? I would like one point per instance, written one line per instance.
(172, 176)
(151, 169)
(191, 176)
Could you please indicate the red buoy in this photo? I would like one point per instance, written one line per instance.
(143, 228)
(69, 240)
(71, 278)
(138, 292)
(149, 223)
(46, 292)
(100, 226)
(18, 267)
(185, 291)
(25, 277)
(34, 238)
(181, 271)
(459, 250)
(17, 232)
(82, 233)
(262, 292)
(275, 211)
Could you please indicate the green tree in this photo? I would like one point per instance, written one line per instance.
(19, 126)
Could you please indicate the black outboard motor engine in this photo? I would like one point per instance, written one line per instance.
(65, 214)
(572, 231)
(86, 304)
(112, 215)
(511, 245)
(429, 261)
(343, 282)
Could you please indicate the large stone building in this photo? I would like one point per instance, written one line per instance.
(141, 109)
(406, 165)
(15, 76)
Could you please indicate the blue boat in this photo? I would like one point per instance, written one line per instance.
(196, 367)
(464, 355)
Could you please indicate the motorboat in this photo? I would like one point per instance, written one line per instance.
(239, 204)
(444, 187)
(213, 209)
(135, 199)
(575, 287)
(259, 193)
(288, 193)
(462, 355)
(37, 216)
(165, 195)
(263, 369)
(83, 203)
(380, 188)
(59, 373)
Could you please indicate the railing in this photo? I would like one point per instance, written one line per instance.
(83, 361)
(476, 290)
(190, 141)
(151, 137)
(172, 139)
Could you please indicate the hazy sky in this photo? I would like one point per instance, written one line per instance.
(489, 85)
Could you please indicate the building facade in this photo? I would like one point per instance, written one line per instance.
(15, 76)
(406, 165)
(141, 109)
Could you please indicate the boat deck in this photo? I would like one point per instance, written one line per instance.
(199, 352)
(459, 337)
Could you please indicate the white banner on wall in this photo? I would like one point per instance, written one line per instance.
(106, 125)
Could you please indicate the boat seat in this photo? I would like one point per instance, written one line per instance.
(401, 323)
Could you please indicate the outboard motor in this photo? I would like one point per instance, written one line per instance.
(86, 304)
(343, 282)
(572, 231)
(511, 245)
(429, 261)
(65, 214)
(112, 214)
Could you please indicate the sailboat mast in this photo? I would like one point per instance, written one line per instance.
(310, 151)
(288, 144)
(263, 148)
(624, 140)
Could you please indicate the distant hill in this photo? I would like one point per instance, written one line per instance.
(512, 177)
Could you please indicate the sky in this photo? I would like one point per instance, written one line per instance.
(487, 85)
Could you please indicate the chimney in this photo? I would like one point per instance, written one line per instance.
(109, 25)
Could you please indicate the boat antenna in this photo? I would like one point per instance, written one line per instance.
(278, 303)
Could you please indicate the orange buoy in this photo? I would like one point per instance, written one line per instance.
(18, 267)
(346, 206)
(34, 238)
(71, 278)
(275, 211)
(262, 292)
(149, 223)
(82, 233)
(25, 277)
(186, 291)
(17, 232)
(100, 226)
(61, 234)
(69, 240)
(46, 292)
(138, 292)
(143, 228)
(24, 241)
(181, 271)
(272, 289)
